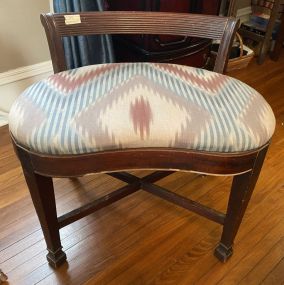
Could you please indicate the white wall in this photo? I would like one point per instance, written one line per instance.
(23, 49)
(22, 38)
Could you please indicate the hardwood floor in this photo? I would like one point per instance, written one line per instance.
(143, 239)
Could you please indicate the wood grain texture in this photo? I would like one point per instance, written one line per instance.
(264, 40)
(143, 239)
(135, 22)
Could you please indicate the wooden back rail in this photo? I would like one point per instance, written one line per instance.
(118, 22)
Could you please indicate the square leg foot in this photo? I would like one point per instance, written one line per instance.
(55, 259)
(223, 253)
(3, 277)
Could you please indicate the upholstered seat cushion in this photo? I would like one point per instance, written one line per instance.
(134, 105)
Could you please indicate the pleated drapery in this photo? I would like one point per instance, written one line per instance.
(85, 50)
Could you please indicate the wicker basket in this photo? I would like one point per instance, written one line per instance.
(243, 60)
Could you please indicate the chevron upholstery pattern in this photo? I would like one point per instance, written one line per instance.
(137, 105)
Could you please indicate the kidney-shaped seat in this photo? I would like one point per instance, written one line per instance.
(139, 105)
(112, 118)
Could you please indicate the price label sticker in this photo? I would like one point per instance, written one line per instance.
(72, 19)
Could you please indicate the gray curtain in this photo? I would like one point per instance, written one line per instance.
(85, 50)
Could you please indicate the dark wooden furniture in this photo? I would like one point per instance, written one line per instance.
(160, 48)
(264, 39)
(231, 8)
(39, 168)
(279, 41)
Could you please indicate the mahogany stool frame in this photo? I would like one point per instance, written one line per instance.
(39, 169)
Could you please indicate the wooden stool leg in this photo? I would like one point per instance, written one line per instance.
(241, 191)
(269, 30)
(279, 41)
(42, 193)
(3, 277)
(262, 53)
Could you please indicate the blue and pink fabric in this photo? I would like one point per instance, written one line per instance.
(138, 105)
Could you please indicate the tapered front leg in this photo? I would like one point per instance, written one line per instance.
(3, 277)
(241, 191)
(42, 193)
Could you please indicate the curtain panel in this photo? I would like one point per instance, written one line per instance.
(85, 50)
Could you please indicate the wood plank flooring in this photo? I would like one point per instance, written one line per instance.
(143, 239)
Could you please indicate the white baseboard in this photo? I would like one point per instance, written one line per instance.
(51, 6)
(244, 11)
(25, 72)
(244, 14)
(14, 82)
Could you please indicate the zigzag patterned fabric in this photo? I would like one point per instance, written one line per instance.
(138, 105)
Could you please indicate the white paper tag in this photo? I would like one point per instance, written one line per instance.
(72, 19)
